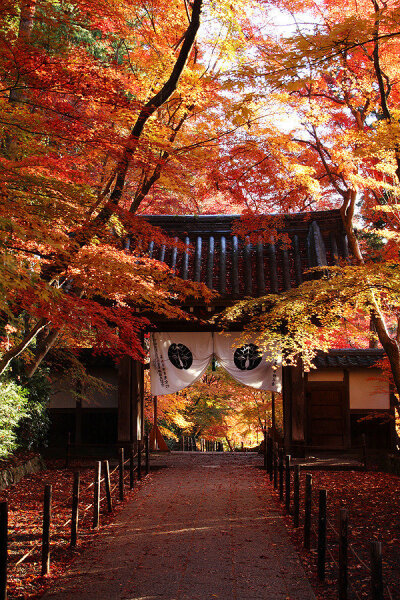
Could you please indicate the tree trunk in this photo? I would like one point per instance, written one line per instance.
(23, 345)
(229, 444)
(391, 346)
(26, 21)
(41, 352)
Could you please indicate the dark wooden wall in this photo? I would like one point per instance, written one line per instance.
(130, 401)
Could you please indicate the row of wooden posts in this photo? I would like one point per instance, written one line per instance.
(278, 466)
(189, 443)
(134, 468)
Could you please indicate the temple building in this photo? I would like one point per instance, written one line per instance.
(322, 409)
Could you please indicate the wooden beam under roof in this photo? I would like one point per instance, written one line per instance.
(216, 256)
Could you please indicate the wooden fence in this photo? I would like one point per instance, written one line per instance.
(189, 443)
(285, 479)
(125, 474)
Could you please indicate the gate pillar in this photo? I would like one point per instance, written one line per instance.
(130, 401)
(294, 409)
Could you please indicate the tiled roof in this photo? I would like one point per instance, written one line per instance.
(348, 358)
(234, 267)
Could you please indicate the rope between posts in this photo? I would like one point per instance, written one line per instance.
(38, 544)
(129, 458)
(21, 560)
(328, 522)
(350, 547)
(114, 487)
(85, 510)
(332, 557)
(360, 560)
(351, 588)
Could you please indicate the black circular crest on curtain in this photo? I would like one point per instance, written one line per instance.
(180, 356)
(247, 357)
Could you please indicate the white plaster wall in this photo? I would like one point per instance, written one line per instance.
(368, 390)
(326, 375)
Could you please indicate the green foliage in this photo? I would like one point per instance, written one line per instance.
(33, 429)
(13, 409)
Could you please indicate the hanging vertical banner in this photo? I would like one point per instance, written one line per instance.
(178, 359)
(246, 363)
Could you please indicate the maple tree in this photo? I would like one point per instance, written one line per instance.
(116, 108)
(216, 408)
(93, 100)
(332, 77)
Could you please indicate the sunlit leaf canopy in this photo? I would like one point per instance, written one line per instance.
(277, 107)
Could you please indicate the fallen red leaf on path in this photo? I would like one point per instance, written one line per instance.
(25, 508)
(373, 501)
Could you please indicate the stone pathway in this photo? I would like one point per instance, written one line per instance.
(204, 528)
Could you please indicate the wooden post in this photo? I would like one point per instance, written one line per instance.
(275, 466)
(273, 416)
(343, 554)
(296, 496)
(68, 450)
(3, 549)
(78, 415)
(287, 483)
(139, 460)
(364, 450)
(75, 509)
(121, 474)
(155, 419)
(281, 474)
(307, 511)
(294, 406)
(265, 451)
(96, 496)
(376, 571)
(46, 530)
(126, 385)
(107, 484)
(131, 469)
(321, 534)
(270, 451)
(147, 454)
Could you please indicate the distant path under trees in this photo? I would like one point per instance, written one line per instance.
(204, 527)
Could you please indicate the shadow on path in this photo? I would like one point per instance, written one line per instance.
(203, 528)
